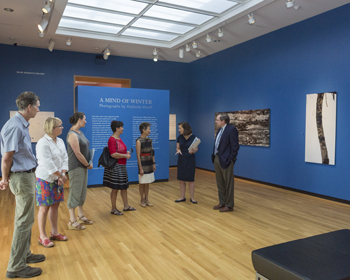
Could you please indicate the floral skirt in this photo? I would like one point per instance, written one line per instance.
(48, 193)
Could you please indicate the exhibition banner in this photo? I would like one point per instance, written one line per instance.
(101, 105)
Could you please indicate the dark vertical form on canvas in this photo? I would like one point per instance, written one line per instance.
(320, 132)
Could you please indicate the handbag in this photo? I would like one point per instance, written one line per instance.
(106, 160)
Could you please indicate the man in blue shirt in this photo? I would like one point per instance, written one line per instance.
(18, 166)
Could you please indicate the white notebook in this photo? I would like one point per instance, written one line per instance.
(194, 144)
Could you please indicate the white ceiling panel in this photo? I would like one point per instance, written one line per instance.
(162, 26)
(82, 13)
(177, 15)
(215, 6)
(95, 27)
(125, 6)
(149, 34)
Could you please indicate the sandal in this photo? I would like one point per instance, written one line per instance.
(143, 204)
(46, 242)
(58, 237)
(75, 225)
(116, 212)
(84, 220)
(129, 209)
(149, 204)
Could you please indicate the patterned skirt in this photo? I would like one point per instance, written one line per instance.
(47, 193)
(116, 178)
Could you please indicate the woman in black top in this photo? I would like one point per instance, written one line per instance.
(186, 162)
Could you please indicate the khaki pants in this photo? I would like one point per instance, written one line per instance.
(77, 187)
(225, 183)
(22, 185)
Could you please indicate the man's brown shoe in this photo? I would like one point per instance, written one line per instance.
(226, 209)
(217, 207)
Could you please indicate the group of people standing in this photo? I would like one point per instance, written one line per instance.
(21, 171)
(224, 156)
(40, 179)
(116, 177)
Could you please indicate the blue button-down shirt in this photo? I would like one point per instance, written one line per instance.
(217, 140)
(15, 137)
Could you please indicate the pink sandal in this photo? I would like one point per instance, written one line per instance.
(58, 237)
(46, 242)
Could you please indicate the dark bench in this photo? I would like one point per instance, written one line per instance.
(321, 257)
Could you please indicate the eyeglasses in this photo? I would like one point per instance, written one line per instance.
(60, 126)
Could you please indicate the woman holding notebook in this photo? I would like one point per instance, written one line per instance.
(186, 162)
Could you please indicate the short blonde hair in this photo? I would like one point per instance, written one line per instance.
(50, 123)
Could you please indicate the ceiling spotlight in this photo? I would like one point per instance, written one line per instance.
(69, 41)
(208, 38)
(51, 45)
(107, 52)
(188, 48)
(155, 59)
(155, 51)
(194, 45)
(46, 9)
(251, 19)
(181, 52)
(105, 56)
(220, 33)
(42, 25)
(40, 34)
(290, 3)
(198, 54)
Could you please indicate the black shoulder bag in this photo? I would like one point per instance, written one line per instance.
(106, 160)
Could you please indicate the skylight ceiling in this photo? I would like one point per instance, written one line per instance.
(162, 23)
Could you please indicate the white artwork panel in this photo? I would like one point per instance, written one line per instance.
(320, 129)
(172, 126)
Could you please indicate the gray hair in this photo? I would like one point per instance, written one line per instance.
(225, 117)
(25, 99)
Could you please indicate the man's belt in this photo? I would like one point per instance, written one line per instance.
(26, 171)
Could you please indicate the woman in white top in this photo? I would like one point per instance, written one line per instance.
(50, 178)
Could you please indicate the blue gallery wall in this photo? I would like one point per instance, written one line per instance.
(276, 71)
(55, 88)
(273, 71)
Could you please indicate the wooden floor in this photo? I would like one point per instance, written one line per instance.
(176, 240)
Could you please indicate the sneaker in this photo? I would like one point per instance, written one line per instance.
(35, 258)
(27, 272)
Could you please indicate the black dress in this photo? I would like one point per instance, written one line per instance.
(186, 163)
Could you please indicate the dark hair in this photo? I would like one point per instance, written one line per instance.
(77, 116)
(115, 125)
(225, 117)
(187, 128)
(25, 99)
(143, 126)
